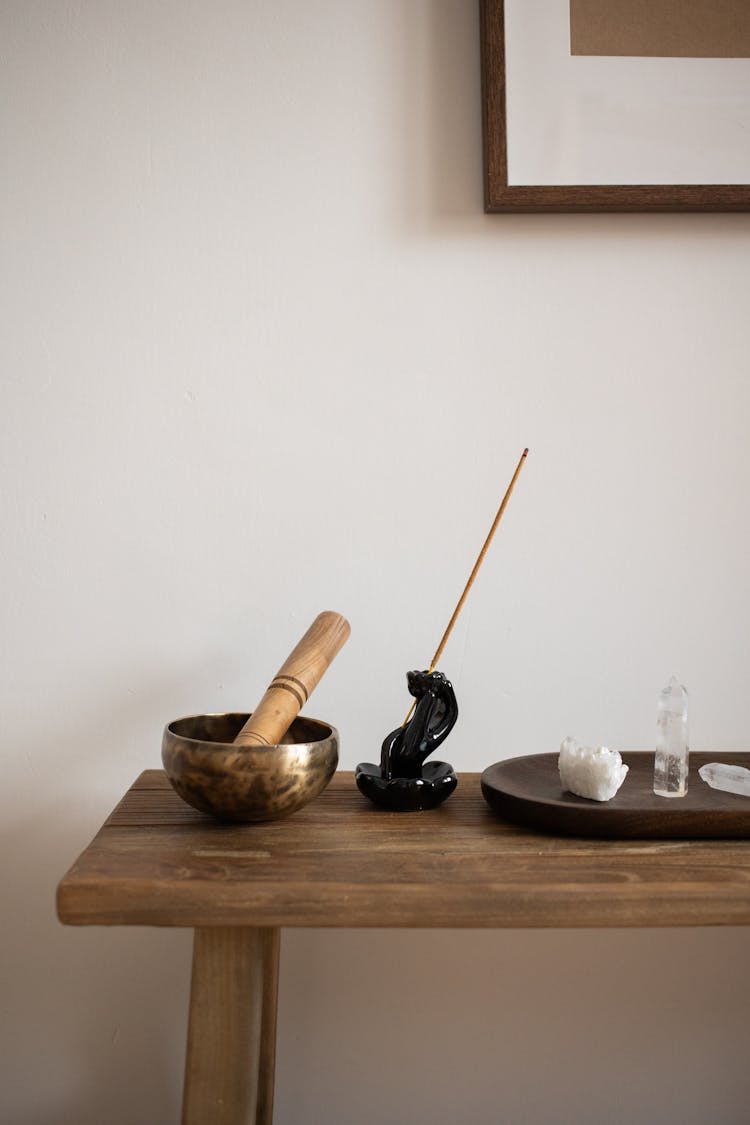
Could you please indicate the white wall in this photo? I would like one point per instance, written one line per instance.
(263, 354)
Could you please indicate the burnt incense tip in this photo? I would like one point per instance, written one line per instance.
(525, 452)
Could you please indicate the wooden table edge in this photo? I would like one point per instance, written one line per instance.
(610, 901)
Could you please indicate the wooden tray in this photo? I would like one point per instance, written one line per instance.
(527, 791)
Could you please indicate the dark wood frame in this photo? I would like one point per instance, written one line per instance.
(499, 196)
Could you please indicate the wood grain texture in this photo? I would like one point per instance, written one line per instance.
(295, 681)
(223, 1069)
(271, 939)
(499, 196)
(342, 862)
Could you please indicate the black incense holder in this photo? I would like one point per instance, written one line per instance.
(403, 782)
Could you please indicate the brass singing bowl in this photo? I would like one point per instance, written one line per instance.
(247, 783)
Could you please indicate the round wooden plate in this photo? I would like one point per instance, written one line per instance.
(527, 791)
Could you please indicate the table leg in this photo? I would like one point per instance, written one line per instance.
(267, 1062)
(229, 1068)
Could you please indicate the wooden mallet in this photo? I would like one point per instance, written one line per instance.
(295, 681)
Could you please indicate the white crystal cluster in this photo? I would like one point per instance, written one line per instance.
(594, 772)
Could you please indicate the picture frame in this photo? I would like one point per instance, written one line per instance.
(500, 195)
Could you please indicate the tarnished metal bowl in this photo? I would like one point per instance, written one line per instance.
(247, 783)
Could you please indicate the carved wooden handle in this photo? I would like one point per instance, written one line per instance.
(294, 682)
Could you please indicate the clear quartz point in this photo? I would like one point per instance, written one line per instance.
(730, 779)
(672, 751)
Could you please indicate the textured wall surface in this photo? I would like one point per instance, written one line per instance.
(263, 354)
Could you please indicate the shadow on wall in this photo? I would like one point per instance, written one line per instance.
(440, 114)
(540, 1027)
(108, 1027)
(101, 1011)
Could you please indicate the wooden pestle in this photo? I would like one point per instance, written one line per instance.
(294, 682)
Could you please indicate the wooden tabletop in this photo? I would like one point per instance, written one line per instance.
(342, 862)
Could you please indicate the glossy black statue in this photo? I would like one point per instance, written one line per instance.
(403, 782)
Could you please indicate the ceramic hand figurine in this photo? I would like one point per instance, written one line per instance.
(405, 749)
(403, 782)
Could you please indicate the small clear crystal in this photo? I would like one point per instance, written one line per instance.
(672, 751)
(730, 779)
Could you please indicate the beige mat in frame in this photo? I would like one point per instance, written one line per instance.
(661, 28)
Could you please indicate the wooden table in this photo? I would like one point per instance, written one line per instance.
(341, 862)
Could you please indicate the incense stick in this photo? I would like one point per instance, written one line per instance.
(472, 576)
